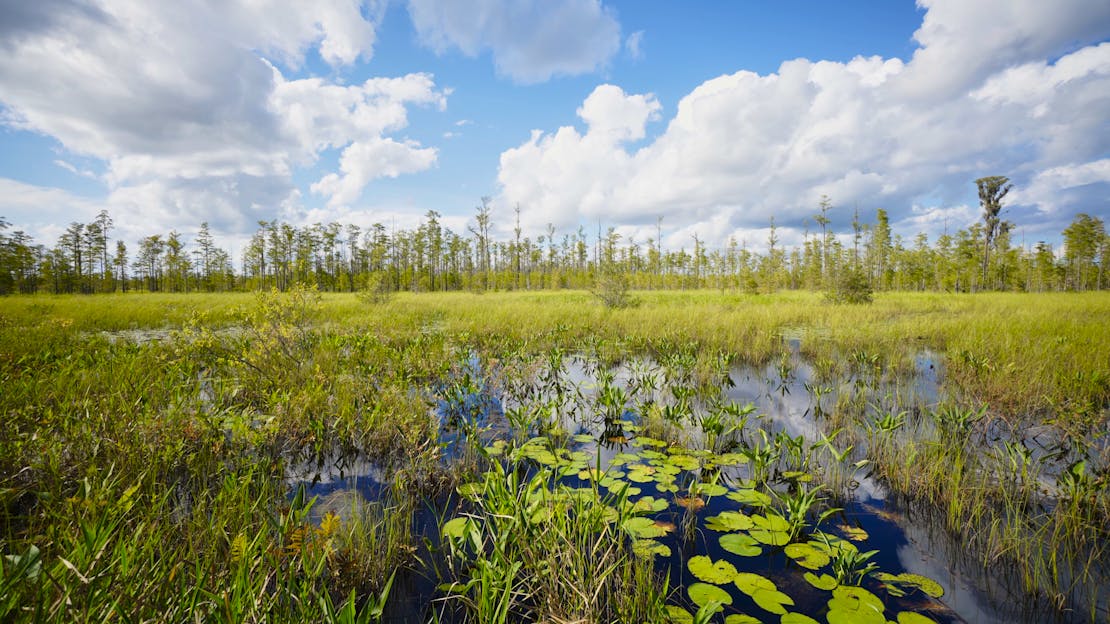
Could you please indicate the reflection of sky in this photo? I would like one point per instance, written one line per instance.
(782, 405)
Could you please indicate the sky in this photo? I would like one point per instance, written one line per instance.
(703, 119)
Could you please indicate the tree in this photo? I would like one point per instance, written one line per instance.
(1084, 239)
(992, 189)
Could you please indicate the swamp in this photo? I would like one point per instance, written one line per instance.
(704, 456)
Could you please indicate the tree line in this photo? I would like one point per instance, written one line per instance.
(432, 257)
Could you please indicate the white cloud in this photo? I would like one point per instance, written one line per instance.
(530, 40)
(181, 102)
(634, 45)
(871, 132)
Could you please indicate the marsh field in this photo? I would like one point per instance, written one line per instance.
(704, 456)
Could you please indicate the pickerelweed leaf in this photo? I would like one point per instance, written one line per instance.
(716, 572)
(741, 544)
(703, 593)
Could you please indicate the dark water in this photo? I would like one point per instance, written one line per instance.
(909, 538)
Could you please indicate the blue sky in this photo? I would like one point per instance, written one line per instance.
(711, 116)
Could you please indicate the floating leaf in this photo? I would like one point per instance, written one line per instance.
(496, 449)
(807, 556)
(855, 605)
(730, 459)
(740, 618)
(771, 529)
(703, 593)
(667, 487)
(472, 491)
(621, 459)
(797, 618)
(646, 441)
(716, 572)
(649, 548)
(692, 503)
(916, 581)
(750, 497)
(649, 504)
(729, 521)
(741, 544)
(909, 617)
(685, 462)
(749, 582)
(824, 581)
(678, 615)
(708, 489)
(646, 527)
(772, 600)
(641, 476)
(855, 534)
(583, 438)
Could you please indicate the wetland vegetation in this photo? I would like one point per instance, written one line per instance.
(538, 456)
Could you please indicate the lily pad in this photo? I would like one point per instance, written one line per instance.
(855, 534)
(703, 593)
(749, 582)
(716, 572)
(730, 459)
(916, 581)
(797, 618)
(740, 618)
(771, 529)
(825, 582)
(855, 605)
(708, 489)
(909, 617)
(458, 528)
(750, 497)
(807, 556)
(692, 503)
(649, 504)
(729, 521)
(584, 438)
(678, 615)
(797, 475)
(644, 528)
(649, 548)
(741, 544)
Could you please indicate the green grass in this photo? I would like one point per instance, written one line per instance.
(145, 480)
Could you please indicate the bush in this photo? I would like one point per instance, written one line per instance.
(851, 287)
(612, 288)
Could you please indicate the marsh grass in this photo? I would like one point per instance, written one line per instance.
(145, 439)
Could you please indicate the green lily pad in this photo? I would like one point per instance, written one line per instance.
(716, 572)
(472, 491)
(624, 458)
(704, 593)
(916, 581)
(807, 556)
(645, 527)
(708, 489)
(685, 462)
(740, 618)
(583, 438)
(825, 582)
(649, 548)
(749, 582)
(496, 449)
(750, 497)
(667, 487)
(730, 459)
(909, 617)
(727, 521)
(646, 441)
(855, 605)
(649, 504)
(678, 615)
(772, 601)
(641, 476)
(741, 544)
(855, 534)
(797, 618)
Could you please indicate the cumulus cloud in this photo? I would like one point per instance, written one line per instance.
(982, 96)
(530, 40)
(187, 104)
